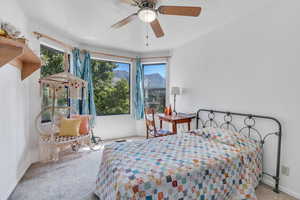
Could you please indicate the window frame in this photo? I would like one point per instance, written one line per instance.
(56, 49)
(166, 78)
(130, 81)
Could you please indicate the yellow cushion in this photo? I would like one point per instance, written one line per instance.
(69, 127)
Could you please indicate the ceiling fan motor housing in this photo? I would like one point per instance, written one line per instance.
(147, 4)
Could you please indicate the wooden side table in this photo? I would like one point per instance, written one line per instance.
(180, 118)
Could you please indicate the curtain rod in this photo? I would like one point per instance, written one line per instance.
(69, 47)
(40, 35)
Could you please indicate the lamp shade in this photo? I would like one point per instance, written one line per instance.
(175, 91)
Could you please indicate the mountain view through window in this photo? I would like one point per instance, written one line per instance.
(155, 86)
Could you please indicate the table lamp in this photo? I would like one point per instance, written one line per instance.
(175, 91)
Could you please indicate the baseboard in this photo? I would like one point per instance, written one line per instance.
(9, 192)
(282, 188)
(121, 138)
(13, 187)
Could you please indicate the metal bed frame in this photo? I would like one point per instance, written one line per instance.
(249, 126)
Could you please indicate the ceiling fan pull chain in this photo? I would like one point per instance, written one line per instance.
(147, 35)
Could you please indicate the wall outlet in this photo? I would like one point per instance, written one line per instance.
(285, 170)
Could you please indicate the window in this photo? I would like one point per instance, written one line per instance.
(111, 87)
(155, 86)
(53, 59)
(53, 63)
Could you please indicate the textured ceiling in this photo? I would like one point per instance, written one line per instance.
(89, 21)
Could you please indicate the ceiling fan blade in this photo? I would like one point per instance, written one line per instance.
(157, 28)
(180, 10)
(124, 21)
(131, 2)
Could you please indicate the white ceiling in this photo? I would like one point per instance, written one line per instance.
(89, 21)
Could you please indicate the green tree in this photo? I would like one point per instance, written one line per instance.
(111, 96)
(53, 61)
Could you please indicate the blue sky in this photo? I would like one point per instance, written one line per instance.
(122, 66)
(156, 68)
(148, 69)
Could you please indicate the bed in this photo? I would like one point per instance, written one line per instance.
(213, 162)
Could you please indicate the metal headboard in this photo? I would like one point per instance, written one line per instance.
(247, 125)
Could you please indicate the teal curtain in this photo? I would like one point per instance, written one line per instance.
(139, 91)
(83, 70)
(76, 70)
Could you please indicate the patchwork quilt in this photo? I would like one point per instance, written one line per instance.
(179, 167)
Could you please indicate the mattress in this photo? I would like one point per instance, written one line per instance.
(185, 166)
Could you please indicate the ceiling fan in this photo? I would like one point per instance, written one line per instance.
(148, 13)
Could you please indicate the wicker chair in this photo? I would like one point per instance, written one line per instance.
(150, 125)
(50, 141)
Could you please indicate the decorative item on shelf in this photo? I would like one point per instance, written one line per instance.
(175, 91)
(10, 30)
(7, 30)
(2, 32)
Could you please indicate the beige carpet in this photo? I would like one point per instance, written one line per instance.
(73, 178)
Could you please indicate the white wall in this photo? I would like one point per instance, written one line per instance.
(250, 65)
(18, 106)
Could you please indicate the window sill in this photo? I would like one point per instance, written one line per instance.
(128, 114)
(114, 116)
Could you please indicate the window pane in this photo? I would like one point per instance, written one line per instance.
(53, 59)
(54, 63)
(155, 86)
(111, 87)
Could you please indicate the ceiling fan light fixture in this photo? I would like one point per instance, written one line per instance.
(147, 15)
